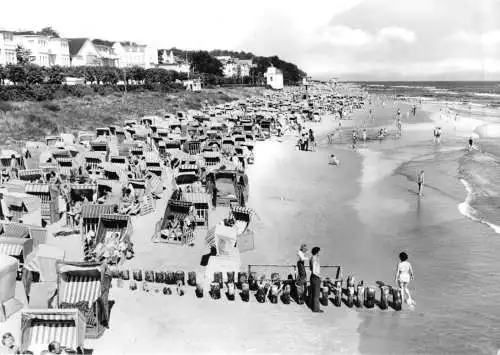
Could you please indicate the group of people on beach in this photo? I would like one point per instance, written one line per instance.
(404, 274)
(306, 140)
(9, 347)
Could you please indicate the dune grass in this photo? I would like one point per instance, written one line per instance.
(21, 121)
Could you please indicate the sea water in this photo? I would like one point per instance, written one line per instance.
(363, 213)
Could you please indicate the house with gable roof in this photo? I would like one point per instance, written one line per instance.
(83, 52)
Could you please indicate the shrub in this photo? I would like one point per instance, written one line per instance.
(51, 106)
(5, 106)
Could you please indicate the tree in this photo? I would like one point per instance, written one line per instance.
(55, 75)
(35, 74)
(3, 74)
(203, 62)
(16, 73)
(137, 74)
(110, 75)
(48, 31)
(23, 55)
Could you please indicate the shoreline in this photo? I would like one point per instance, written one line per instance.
(387, 207)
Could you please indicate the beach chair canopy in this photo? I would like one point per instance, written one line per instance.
(178, 209)
(93, 211)
(43, 260)
(39, 327)
(15, 230)
(8, 274)
(79, 281)
(186, 178)
(199, 200)
(37, 189)
(114, 223)
(16, 247)
(30, 175)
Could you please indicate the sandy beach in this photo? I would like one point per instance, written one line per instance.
(361, 214)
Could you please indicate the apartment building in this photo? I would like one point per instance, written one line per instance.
(171, 62)
(7, 48)
(234, 67)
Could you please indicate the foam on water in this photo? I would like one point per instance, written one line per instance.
(467, 210)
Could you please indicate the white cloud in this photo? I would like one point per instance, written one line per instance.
(488, 39)
(491, 38)
(396, 33)
(354, 37)
(345, 36)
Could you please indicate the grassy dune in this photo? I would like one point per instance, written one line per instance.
(35, 120)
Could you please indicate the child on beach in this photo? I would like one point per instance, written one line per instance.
(404, 274)
(334, 160)
(420, 182)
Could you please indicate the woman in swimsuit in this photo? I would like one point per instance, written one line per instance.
(404, 274)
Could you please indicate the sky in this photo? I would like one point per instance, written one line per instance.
(348, 39)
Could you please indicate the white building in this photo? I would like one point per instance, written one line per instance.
(192, 85)
(131, 54)
(83, 52)
(234, 67)
(7, 48)
(274, 78)
(59, 52)
(44, 50)
(171, 62)
(38, 45)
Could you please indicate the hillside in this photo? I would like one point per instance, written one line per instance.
(31, 120)
(291, 72)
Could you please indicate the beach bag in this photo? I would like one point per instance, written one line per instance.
(125, 275)
(215, 290)
(324, 296)
(369, 297)
(199, 291)
(191, 278)
(274, 294)
(261, 294)
(137, 275)
(218, 278)
(230, 291)
(252, 281)
(170, 278)
(396, 299)
(159, 277)
(285, 296)
(242, 278)
(149, 276)
(133, 285)
(245, 292)
(300, 293)
(180, 276)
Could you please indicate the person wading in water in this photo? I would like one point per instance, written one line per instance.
(420, 182)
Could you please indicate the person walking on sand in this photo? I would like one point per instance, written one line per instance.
(420, 182)
(404, 274)
(315, 280)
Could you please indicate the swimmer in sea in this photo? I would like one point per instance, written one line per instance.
(334, 160)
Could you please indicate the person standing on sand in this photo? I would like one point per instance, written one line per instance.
(471, 142)
(404, 274)
(301, 268)
(315, 280)
(420, 182)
